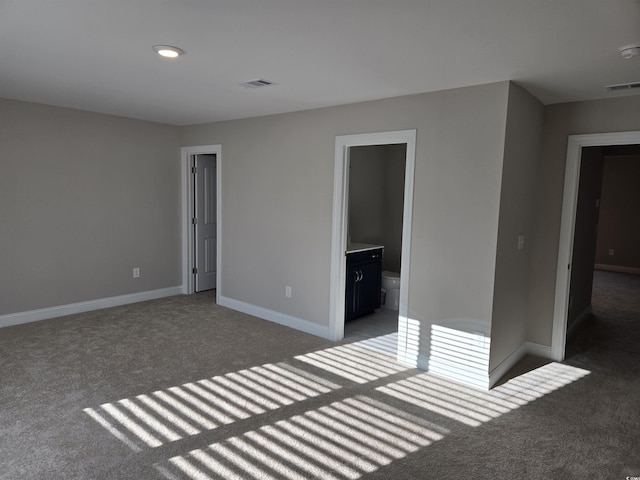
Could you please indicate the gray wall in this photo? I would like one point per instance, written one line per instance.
(619, 228)
(376, 199)
(366, 193)
(513, 267)
(598, 116)
(393, 206)
(84, 198)
(277, 196)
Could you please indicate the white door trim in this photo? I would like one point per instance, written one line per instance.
(340, 214)
(188, 286)
(567, 226)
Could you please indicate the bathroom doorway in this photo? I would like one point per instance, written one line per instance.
(375, 210)
(346, 147)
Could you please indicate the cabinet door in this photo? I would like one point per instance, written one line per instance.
(351, 298)
(369, 287)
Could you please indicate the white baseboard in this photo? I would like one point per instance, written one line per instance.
(617, 268)
(538, 350)
(506, 365)
(276, 317)
(80, 307)
(476, 378)
(445, 369)
(527, 348)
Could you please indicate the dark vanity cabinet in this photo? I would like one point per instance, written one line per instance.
(364, 272)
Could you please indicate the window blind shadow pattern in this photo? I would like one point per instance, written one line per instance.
(342, 440)
(360, 362)
(151, 420)
(374, 419)
(474, 407)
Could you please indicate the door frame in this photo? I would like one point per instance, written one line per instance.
(188, 283)
(340, 219)
(567, 226)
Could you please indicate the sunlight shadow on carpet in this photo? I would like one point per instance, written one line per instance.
(151, 420)
(341, 439)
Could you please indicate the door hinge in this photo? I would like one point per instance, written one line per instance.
(194, 270)
(194, 221)
(194, 170)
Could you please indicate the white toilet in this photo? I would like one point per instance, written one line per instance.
(391, 290)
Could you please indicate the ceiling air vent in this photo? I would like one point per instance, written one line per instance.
(256, 83)
(622, 86)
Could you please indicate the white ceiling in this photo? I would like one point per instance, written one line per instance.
(96, 54)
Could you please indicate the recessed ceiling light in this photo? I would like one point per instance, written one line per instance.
(168, 51)
(629, 51)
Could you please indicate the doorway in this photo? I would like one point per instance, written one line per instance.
(204, 222)
(375, 208)
(201, 194)
(577, 146)
(344, 144)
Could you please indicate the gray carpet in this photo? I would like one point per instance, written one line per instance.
(180, 388)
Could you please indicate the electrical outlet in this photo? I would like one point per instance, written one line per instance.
(287, 291)
(520, 242)
(136, 272)
(611, 251)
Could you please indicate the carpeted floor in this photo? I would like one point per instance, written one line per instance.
(180, 388)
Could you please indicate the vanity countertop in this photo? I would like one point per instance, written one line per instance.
(361, 247)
